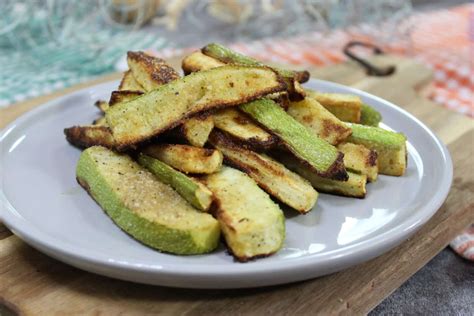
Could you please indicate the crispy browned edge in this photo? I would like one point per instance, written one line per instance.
(217, 212)
(251, 143)
(157, 68)
(77, 136)
(116, 96)
(336, 171)
(342, 130)
(277, 153)
(218, 138)
(372, 158)
(217, 105)
(299, 75)
(282, 99)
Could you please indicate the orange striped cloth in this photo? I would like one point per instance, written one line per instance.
(441, 39)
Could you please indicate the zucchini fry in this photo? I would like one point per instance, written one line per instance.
(191, 190)
(252, 224)
(228, 56)
(197, 61)
(390, 147)
(150, 72)
(187, 159)
(196, 130)
(345, 107)
(147, 209)
(154, 72)
(88, 136)
(129, 83)
(243, 129)
(323, 123)
(370, 116)
(270, 175)
(151, 114)
(319, 155)
(353, 187)
(359, 159)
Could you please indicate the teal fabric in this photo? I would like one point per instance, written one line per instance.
(42, 51)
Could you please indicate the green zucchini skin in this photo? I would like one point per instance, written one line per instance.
(369, 115)
(142, 206)
(228, 56)
(319, 155)
(192, 191)
(390, 147)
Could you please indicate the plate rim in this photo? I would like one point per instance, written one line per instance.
(392, 236)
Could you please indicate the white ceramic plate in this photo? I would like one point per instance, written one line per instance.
(42, 204)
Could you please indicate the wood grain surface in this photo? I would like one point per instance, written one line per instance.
(33, 284)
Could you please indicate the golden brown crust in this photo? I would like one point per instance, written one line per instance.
(159, 71)
(216, 105)
(123, 96)
(253, 143)
(331, 128)
(221, 138)
(302, 76)
(88, 136)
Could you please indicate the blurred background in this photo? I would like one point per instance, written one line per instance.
(47, 45)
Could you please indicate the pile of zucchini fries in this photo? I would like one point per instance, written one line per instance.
(176, 162)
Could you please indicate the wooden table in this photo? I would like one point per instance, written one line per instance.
(34, 284)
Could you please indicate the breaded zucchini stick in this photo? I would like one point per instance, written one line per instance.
(88, 136)
(270, 175)
(252, 224)
(319, 120)
(191, 190)
(147, 209)
(197, 129)
(197, 61)
(188, 159)
(359, 159)
(346, 107)
(151, 114)
(353, 187)
(150, 72)
(316, 153)
(240, 126)
(390, 147)
(228, 56)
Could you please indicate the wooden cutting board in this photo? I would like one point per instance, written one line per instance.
(34, 284)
